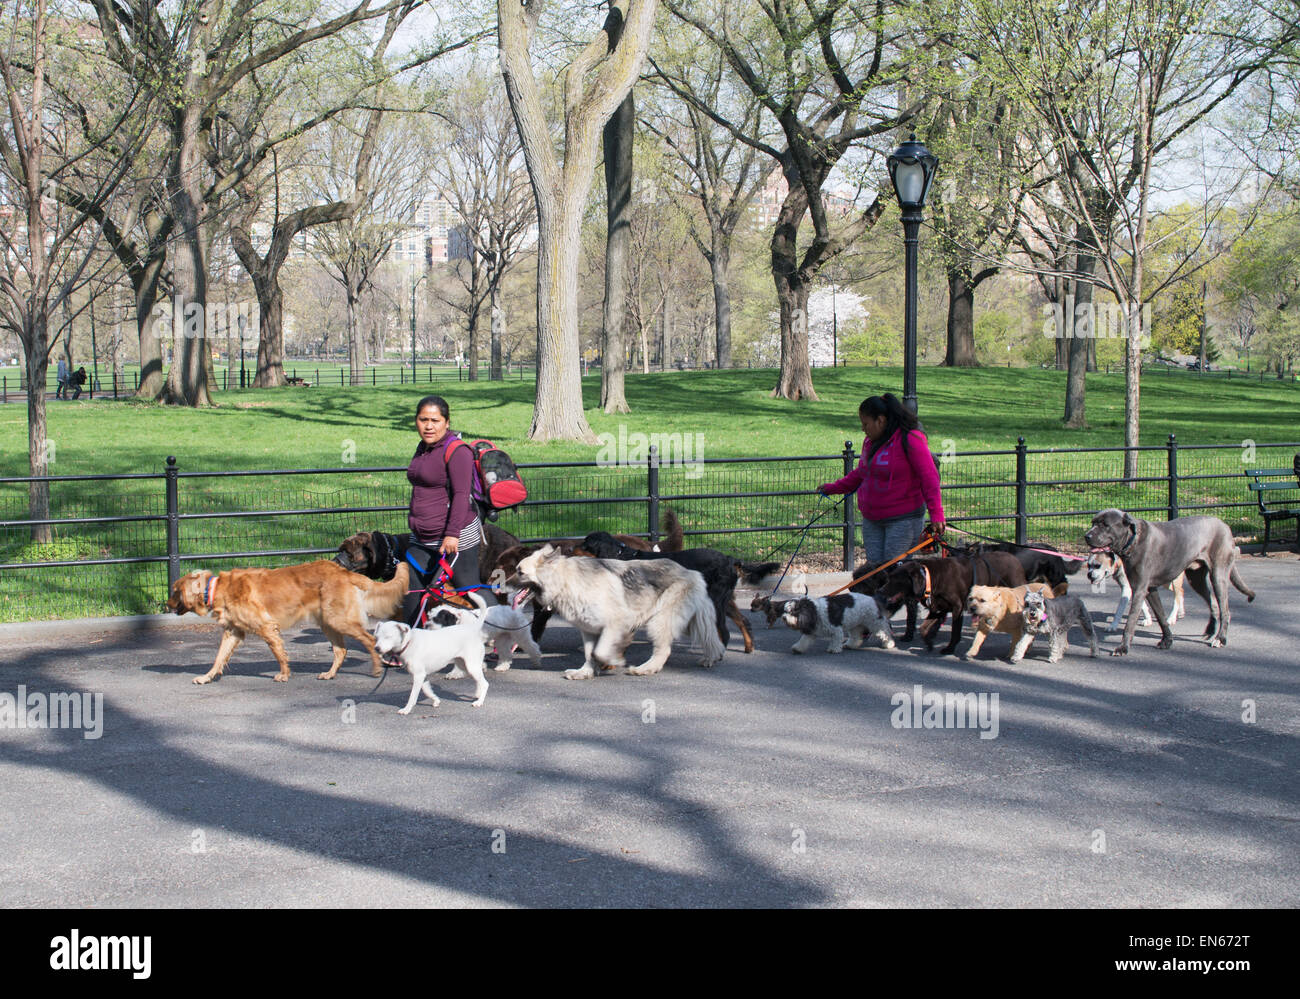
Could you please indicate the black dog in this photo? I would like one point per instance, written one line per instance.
(375, 555)
(944, 585)
(872, 585)
(721, 573)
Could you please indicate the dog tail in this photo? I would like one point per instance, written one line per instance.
(672, 528)
(383, 600)
(753, 573)
(702, 624)
(1241, 586)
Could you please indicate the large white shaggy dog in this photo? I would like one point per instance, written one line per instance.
(608, 599)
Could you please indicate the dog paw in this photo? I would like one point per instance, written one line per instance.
(477, 704)
(281, 678)
(1120, 651)
(1165, 643)
(644, 670)
(456, 674)
(501, 668)
(581, 673)
(202, 679)
(888, 645)
(1218, 643)
(403, 711)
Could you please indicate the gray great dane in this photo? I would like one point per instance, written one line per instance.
(1155, 553)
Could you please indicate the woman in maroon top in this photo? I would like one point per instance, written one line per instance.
(442, 515)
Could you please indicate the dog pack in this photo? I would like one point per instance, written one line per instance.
(497, 485)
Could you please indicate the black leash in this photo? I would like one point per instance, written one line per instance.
(824, 511)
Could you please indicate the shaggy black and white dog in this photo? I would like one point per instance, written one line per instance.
(721, 573)
(608, 600)
(845, 615)
(1053, 618)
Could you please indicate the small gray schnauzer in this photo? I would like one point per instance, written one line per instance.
(1054, 618)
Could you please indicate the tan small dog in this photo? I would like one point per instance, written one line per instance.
(267, 601)
(1000, 608)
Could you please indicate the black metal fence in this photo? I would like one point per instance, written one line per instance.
(112, 544)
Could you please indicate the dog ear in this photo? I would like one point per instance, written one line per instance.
(1129, 520)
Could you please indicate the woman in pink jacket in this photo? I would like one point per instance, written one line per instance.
(896, 480)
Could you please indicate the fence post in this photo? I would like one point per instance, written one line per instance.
(173, 525)
(1171, 449)
(1022, 488)
(5, 390)
(849, 519)
(652, 491)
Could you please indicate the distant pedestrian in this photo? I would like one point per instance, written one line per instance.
(62, 375)
(78, 380)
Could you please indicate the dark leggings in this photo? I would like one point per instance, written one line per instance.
(464, 574)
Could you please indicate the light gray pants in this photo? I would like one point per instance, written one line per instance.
(884, 539)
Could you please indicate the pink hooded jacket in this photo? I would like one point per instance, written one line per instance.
(896, 482)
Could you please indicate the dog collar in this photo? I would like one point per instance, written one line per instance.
(1128, 544)
(209, 590)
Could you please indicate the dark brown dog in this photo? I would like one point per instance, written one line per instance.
(943, 585)
(375, 554)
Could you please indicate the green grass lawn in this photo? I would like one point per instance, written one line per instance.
(978, 409)
(720, 414)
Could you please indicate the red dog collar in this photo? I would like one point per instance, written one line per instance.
(209, 590)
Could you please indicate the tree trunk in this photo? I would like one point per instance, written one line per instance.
(557, 410)
(795, 380)
(38, 493)
(719, 264)
(796, 371)
(618, 135)
(961, 321)
(356, 348)
(498, 329)
(270, 323)
(475, 307)
(1133, 377)
(187, 382)
(145, 287)
(1076, 417)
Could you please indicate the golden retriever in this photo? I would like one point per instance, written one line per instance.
(267, 601)
(1001, 608)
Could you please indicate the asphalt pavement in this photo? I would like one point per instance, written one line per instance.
(1165, 778)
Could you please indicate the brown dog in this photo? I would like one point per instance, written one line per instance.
(1001, 608)
(942, 584)
(267, 601)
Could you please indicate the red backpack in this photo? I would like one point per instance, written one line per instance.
(496, 483)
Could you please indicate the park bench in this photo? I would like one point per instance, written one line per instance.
(1277, 490)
